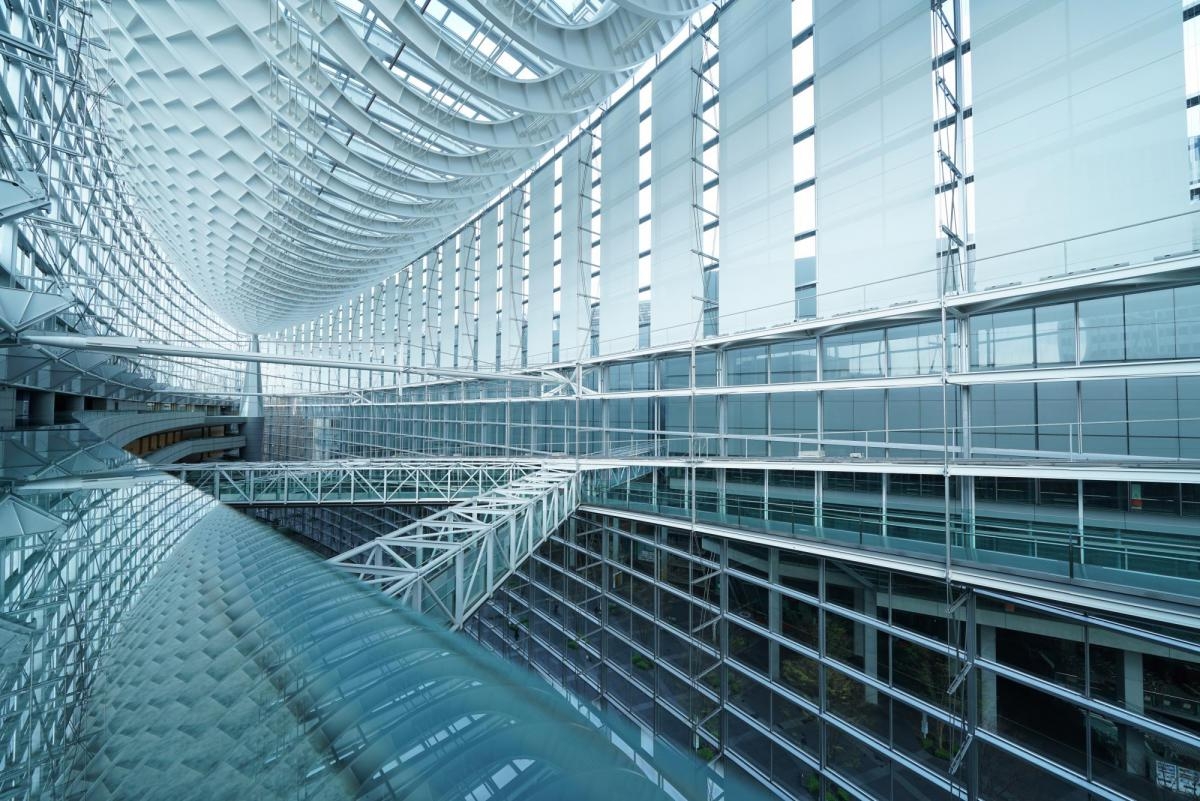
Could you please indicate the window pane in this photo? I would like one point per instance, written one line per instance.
(746, 365)
(674, 371)
(1055, 334)
(857, 355)
(793, 361)
(1150, 325)
(1187, 321)
(706, 369)
(1002, 340)
(1101, 330)
(915, 349)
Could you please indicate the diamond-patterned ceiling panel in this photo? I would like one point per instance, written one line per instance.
(292, 152)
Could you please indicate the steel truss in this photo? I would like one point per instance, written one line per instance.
(370, 482)
(75, 252)
(449, 564)
(133, 347)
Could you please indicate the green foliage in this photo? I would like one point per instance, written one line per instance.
(927, 675)
(936, 748)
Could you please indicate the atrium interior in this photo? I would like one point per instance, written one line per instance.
(690, 400)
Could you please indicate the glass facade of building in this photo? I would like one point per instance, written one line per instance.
(819, 674)
(926, 530)
(857, 342)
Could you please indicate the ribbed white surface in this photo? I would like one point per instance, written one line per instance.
(1079, 128)
(619, 251)
(756, 166)
(290, 153)
(487, 291)
(541, 265)
(874, 150)
(676, 284)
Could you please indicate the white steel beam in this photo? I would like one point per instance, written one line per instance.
(372, 482)
(448, 564)
(134, 347)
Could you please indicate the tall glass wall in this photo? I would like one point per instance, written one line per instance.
(826, 678)
(814, 397)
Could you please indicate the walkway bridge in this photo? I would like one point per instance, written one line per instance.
(445, 565)
(448, 564)
(366, 481)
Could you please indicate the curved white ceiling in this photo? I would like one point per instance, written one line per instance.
(292, 152)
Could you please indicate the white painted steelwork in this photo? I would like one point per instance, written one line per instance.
(290, 152)
(447, 565)
(374, 482)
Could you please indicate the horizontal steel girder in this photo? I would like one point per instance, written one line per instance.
(378, 482)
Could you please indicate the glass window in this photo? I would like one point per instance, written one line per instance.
(806, 302)
(802, 729)
(626, 376)
(915, 349)
(799, 571)
(747, 425)
(854, 415)
(748, 600)
(1002, 416)
(790, 501)
(1189, 424)
(793, 413)
(1056, 414)
(1187, 321)
(799, 673)
(643, 414)
(705, 415)
(1054, 334)
(746, 365)
(749, 647)
(920, 671)
(1150, 325)
(915, 417)
(806, 277)
(798, 621)
(806, 270)
(1104, 415)
(643, 375)
(1002, 340)
(793, 361)
(1189, 505)
(1057, 492)
(674, 415)
(1004, 490)
(620, 377)
(1101, 330)
(1154, 412)
(856, 355)
(706, 369)
(804, 206)
(996, 768)
(675, 371)
(619, 416)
